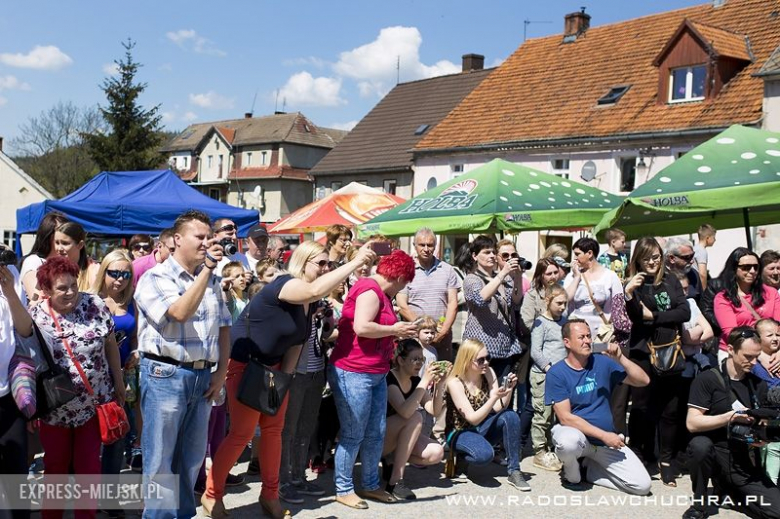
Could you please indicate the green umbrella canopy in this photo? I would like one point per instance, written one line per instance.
(730, 178)
(498, 196)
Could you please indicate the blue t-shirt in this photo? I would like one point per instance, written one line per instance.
(124, 330)
(761, 372)
(588, 390)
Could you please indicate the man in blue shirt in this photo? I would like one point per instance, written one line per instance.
(579, 388)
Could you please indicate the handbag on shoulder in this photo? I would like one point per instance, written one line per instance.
(668, 358)
(53, 387)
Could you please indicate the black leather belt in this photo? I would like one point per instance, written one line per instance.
(198, 364)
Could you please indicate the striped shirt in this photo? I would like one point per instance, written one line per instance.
(428, 292)
(193, 340)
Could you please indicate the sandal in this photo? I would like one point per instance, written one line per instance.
(273, 508)
(347, 500)
(667, 475)
(379, 495)
(215, 509)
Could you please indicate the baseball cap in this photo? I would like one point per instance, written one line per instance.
(258, 231)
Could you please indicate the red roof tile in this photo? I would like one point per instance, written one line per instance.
(547, 90)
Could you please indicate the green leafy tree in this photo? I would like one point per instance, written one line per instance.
(134, 136)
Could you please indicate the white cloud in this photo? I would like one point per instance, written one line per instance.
(12, 83)
(111, 69)
(165, 67)
(302, 89)
(168, 117)
(172, 116)
(188, 117)
(302, 62)
(3, 100)
(46, 57)
(496, 62)
(188, 39)
(374, 64)
(212, 100)
(347, 126)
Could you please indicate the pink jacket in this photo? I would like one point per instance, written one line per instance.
(729, 316)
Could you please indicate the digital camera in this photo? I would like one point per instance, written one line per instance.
(7, 257)
(229, 246)
(765, 429)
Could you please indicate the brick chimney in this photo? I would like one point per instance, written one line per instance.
(247, 115)
(473, 62)
(575, 24)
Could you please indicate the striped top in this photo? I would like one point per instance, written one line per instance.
(427, 292)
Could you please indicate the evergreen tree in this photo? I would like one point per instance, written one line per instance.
(133, 140)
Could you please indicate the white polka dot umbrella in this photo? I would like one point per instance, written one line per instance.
(730, 181)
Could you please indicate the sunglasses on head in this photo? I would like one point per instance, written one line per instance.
(144, 246)
(748, 267)
(748, 334)
(481, 361)
(226, 228)
(119, 274)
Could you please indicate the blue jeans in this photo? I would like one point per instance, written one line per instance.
(477, 445)
(176, 417)
(361, 403)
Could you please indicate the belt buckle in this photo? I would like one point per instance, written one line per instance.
(199, 364)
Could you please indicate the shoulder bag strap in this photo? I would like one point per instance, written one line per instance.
(66, 343)
(750, 308)
(592, 300)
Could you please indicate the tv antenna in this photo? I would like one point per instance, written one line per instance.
(397, 69)
(276, 100)
(526, 23)
(254, 100)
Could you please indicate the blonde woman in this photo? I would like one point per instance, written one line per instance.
(279, 325)
(478, 415)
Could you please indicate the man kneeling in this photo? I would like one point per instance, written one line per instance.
(579, 388)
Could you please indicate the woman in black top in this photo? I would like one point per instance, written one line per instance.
(657, 307)
(406, 393)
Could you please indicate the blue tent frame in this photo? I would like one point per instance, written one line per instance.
(131, 202)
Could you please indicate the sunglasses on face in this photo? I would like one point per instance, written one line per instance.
(144, 246)
(226, 228)
(748, 267)
(687, 258)
(320, 263)
(119, 274)
(481, 361)
(506, 255)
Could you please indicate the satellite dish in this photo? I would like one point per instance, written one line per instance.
(431, 183)
(257, 192)
(588, 172)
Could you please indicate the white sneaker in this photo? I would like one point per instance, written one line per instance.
(546, 460)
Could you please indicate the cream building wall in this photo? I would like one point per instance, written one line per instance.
(209, 169)
(19, 190)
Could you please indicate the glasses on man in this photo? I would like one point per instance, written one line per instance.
(748, 267)
(481, 361)
(119, 274)
(142, 246)
(227, 228)
(687, 258)
(748, 334)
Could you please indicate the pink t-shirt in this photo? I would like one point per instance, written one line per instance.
(360, 354)
(729, 316)
(142, 264)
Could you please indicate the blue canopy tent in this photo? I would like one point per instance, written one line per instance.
(131, 202)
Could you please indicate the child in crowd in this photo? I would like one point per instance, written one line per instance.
(768, 369)
(266, 269)
(427, 330)
(615, 259)
(706, 239)
(234, 283)
(546, 349)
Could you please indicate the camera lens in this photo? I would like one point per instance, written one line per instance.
(229, 246)
(525, 264)
(7, 257)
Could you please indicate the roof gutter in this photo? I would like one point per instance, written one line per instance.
(576, 141)
(378, 169)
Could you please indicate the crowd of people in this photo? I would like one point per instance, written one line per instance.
(607, 367)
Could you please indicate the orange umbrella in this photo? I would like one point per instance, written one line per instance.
(350, 205)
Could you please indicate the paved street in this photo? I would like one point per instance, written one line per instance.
(486, 495)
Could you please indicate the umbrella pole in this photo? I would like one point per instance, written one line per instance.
(747, 228)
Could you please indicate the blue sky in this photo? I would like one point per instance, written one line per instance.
(205, 61)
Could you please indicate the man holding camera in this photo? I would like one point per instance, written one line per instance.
(580, 388)
(183, 331)
(718, 407)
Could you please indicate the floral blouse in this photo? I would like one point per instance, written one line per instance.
(86, 329)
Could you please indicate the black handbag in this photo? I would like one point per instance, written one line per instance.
(263, 388)
(53, 387)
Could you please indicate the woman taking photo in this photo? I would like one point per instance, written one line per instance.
(658, 309)
(477, 414)
(743, 299)
(406, 393)
(278, 327)
(534, 304)
(67, 318)
(491, 298)
(358, 366)
(42, 249)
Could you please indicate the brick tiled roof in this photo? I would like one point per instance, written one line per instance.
(284, 172)
(724, 43)
(547, 90)
(382, 140)
(292, 128)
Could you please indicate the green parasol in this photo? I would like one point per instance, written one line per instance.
(732, 180)
(499, 196)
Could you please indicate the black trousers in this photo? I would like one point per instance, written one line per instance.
(13, 444)
(658, 407)
(733, 475)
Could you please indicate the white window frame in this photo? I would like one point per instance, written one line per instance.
(688, 84)
(9, 238)
(210, 162)
(563, 172)
(248, 158)
(386, 186)
(185, 162)
(263, 156)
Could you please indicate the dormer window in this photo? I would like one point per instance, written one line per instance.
(687, 83)
(613, 95)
